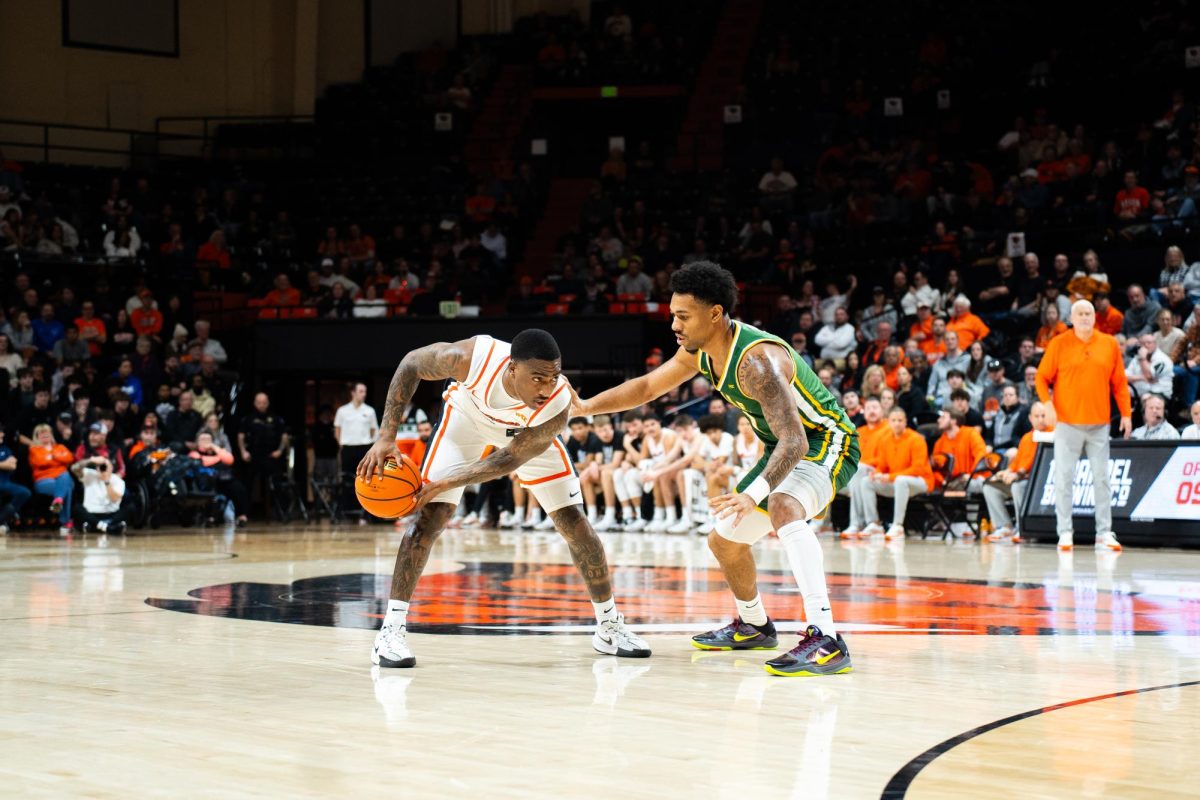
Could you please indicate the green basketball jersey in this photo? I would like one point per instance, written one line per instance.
(832, 437)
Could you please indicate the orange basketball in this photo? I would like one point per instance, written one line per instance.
(390, 495)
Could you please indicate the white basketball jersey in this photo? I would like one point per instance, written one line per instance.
(482, 396)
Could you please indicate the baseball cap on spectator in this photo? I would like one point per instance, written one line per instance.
(1029, 173)
(994, 364)
(96, 427)
(66, 416)
(326, 262)
(877, 290)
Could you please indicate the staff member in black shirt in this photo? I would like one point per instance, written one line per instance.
(263, 441)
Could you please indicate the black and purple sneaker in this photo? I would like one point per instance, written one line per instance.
(738, 635)
(816, 654)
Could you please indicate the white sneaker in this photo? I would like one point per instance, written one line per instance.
(873, 529)
(613, 637)
(607, 523)
(1001, 534)
(656, 526)
(894, 532)
(706, 528)
(683, 526)
(3, 530)
(391, 647)
(1065, 542)
(1107, 540)
(527, 522)
(850, 533)
(506, 520)
(635, 526)
(547, 524)
(470, 520)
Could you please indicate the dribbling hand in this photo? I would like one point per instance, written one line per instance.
(739, 505)
(372, 463)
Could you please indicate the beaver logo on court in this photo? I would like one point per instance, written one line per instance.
(510, 598)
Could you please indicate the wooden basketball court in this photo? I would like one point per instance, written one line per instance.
(236, 664)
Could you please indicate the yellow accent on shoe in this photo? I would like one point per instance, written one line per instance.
(825, 659)
(699, 646)
(737, 637)
(805, 674)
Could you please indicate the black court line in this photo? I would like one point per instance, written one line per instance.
(897, 787)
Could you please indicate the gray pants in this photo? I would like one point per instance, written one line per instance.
(995, 495)
(902, 488)
(1070, 441)
(854, 491)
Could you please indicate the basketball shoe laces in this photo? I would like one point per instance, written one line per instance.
(807, 646)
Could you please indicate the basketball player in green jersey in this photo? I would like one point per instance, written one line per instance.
(811, 451)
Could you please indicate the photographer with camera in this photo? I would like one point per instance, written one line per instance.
(103, 490)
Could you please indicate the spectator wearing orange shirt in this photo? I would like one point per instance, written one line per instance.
(1132, 201)
(360, 246)
(147, 320)
(1084, 369)
(213, 253)
(1013, 481)
(869, 433)
(48, 461)
(961, 441)
(1108, 319)
(934, 346)
(91, 328)
(901, 470)
(1051, 326)
(283, 294)
(968, 326)
(922, 328)
(480, 206)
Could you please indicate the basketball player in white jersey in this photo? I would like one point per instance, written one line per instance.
(503, 413)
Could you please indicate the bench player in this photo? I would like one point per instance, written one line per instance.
(811, 452)
(504, 412)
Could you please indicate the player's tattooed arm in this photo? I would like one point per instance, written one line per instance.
(525, 445)
(436, 362)
(766, 375)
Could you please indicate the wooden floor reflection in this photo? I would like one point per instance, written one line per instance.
(156, 665)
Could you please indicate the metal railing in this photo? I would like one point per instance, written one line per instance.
(204, 128)
(30, 140)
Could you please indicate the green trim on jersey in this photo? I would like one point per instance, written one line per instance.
(832, 437)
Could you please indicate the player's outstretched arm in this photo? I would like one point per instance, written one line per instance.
(524, 446)
(641, 390)
(436, 362)
(765, 375)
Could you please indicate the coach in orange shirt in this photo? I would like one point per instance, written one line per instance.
(869, 434)
(1013, 481)
(1083, 368)
(902, 470)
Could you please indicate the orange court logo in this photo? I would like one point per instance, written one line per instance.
(522, 598)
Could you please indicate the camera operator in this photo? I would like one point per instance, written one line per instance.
(103, 490)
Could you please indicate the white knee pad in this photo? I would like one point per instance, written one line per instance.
(753, 527)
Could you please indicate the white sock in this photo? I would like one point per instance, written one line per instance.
(808, 565)
(671, 514)
(610, 512)
(659, 513)
(592, 512)
(397, 613)
(519, 515)
(752, 610)
(606, 610)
